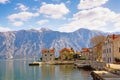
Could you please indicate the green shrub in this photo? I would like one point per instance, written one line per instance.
(117, 59)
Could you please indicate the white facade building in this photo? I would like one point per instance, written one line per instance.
(111, 48)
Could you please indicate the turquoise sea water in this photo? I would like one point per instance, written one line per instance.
(20, 70)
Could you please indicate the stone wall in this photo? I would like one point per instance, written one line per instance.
(98, 65)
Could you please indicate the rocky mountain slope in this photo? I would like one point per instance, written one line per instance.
(28, 43)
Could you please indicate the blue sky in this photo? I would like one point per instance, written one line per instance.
(60, 15)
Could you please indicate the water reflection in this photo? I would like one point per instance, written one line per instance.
(47, 72)
(66, 68)
(19, 70)
(9, 71)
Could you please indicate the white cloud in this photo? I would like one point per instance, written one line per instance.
(18, 19)
(41, 22)
(87, 4)
(117, 23)
(55, 11)
(4, 1)
(17, 23)
(96, 18)
(22, 16)
(98, 13)
(4, 29)
(22, 7)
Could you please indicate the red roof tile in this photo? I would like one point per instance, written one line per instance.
(52, 50)
(114, 36)
(85, 50)
(44, 50)
(48, 50)
(66, 49)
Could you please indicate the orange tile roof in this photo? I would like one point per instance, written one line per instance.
(114, 36)
(66, 49)
(85, 50)
(52, 50)
(48, 50)
(44, 50)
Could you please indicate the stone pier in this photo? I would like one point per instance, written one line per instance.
(104, 75)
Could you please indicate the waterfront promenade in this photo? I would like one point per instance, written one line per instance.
(101, 71)
(56, 62)
(104, 75)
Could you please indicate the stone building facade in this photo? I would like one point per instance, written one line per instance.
(48, 55)
(111, 48)
(86, 53)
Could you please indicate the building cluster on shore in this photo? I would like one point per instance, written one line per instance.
(107, 51)
(65, 54)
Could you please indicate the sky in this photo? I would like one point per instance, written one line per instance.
(60, 15)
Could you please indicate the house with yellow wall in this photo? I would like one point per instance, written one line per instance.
(66, 53)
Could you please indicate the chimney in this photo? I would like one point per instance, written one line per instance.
(113, 36)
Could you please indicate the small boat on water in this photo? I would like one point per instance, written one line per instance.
(35, 63)
(9, 58)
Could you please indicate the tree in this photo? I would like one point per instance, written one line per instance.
(97, 39)
(96, 42)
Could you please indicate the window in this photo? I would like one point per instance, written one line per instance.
(50, 54)
(110, 59)
(105, 51)
(109, 50)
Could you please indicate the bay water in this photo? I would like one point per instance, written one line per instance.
(20, 70)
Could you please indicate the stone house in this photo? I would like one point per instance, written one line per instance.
(86, 53)
(48, 55)
(111, 48)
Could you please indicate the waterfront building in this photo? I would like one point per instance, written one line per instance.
(48, 55)
(86, 53)
(111, 49)
(66, 53)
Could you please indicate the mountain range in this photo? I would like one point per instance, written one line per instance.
(29, 43)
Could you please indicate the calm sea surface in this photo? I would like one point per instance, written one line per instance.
(20, 70)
